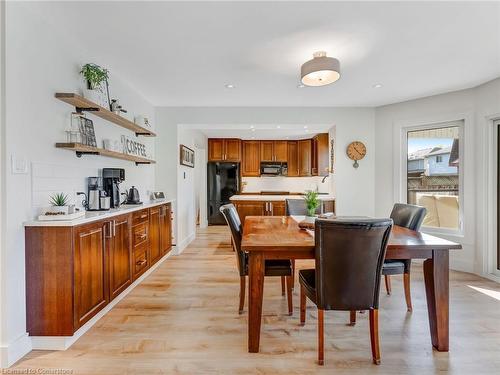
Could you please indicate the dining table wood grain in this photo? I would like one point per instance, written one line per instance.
(279, 237)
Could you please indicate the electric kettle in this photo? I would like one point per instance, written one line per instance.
(133, 196)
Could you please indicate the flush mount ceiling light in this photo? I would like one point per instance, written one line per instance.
(320, 71)
(229, 86)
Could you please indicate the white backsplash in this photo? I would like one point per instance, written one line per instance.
(290, 184)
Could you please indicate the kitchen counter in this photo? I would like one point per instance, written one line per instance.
(91, 216)
(275, 198)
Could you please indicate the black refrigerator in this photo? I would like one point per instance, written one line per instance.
(223, 182)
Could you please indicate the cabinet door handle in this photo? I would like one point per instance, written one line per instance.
(144, 216)
(143, 236)
(141, 262)
(114, 228)
(108, 225)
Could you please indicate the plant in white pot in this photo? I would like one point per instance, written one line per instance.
(59, 204)
(312, 202)
(95, 78)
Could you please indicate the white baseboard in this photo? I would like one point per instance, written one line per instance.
(64, 342)
(12, 352)
(184, 243)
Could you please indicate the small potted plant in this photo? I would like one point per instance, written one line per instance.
(312, 202)
(59, 204)
(95, 78)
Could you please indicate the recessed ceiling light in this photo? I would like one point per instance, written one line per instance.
(229, 86)
(301, 86)
(305, 126)
(377, 86)
(253, 129)
(287, 137)
(278, 127)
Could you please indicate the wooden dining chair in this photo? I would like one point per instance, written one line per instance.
(349, 257)
(280, 268)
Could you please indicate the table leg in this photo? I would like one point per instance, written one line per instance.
(436, 276)
(255, 295)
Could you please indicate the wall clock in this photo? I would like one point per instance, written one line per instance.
(356, 151)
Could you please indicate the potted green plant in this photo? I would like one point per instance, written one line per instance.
(312, 202)
(95, 79)
(59, 204)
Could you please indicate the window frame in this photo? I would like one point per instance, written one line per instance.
(402, 177)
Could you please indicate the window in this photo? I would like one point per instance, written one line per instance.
(433, 173)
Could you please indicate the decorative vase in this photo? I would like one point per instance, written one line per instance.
(93, 95)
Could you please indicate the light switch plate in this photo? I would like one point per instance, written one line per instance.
(19, 165)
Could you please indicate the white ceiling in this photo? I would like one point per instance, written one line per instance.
(182, 54)
(259, 131)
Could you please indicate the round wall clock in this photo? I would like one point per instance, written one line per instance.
(356, 151)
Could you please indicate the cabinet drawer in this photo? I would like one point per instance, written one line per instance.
(140, 261)
(140, 216)
(139, 234)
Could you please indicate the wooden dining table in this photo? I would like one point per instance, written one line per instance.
(279, 237)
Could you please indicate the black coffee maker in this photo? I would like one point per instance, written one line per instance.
(112, 178)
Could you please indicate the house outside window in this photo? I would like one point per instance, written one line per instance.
(433, 174)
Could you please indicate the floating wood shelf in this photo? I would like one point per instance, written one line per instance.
(82, 104)
(81, 149)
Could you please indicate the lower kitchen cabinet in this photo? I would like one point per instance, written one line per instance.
(249, 208)
(72, 273)
(91, 292)
(120, 273)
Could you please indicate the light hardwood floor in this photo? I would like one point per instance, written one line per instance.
(183, 319)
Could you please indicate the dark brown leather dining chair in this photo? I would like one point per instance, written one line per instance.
(349, 258)
(411, 217)
(282, 268)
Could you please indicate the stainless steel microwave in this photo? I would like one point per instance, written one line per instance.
(273, 169)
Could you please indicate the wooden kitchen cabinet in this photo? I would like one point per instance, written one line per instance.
(73, 272)
(293, 159)
(274, 151)
(165, 228)
(155, 252)
(250, 166)
(91, 291)
(277, 208)
(120, 272)
(249, 208)
(224, 149)
(320, 155)
(304, 157)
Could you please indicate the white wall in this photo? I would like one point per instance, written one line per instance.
(188, 189)
(354, 187)
(41, 61)
(290, 184)
(475, 106)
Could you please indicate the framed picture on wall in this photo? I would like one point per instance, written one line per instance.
(187, 156)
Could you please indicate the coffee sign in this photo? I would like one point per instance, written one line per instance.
(132, 147)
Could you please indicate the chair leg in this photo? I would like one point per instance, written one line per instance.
(302, 305)
(293, 274)
(352, 321)
(406, 280)
(289, 294)
(321, 338)
(282, 285)
(242, 293)
(388, 284)
(374, 336)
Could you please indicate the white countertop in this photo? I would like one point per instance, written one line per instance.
(91, 216)
(257, 197)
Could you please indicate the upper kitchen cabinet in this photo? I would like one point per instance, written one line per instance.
(293, 159)
(304, 157)
(274, 151)
(319, 155)
(221, 149)
(250, 166)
